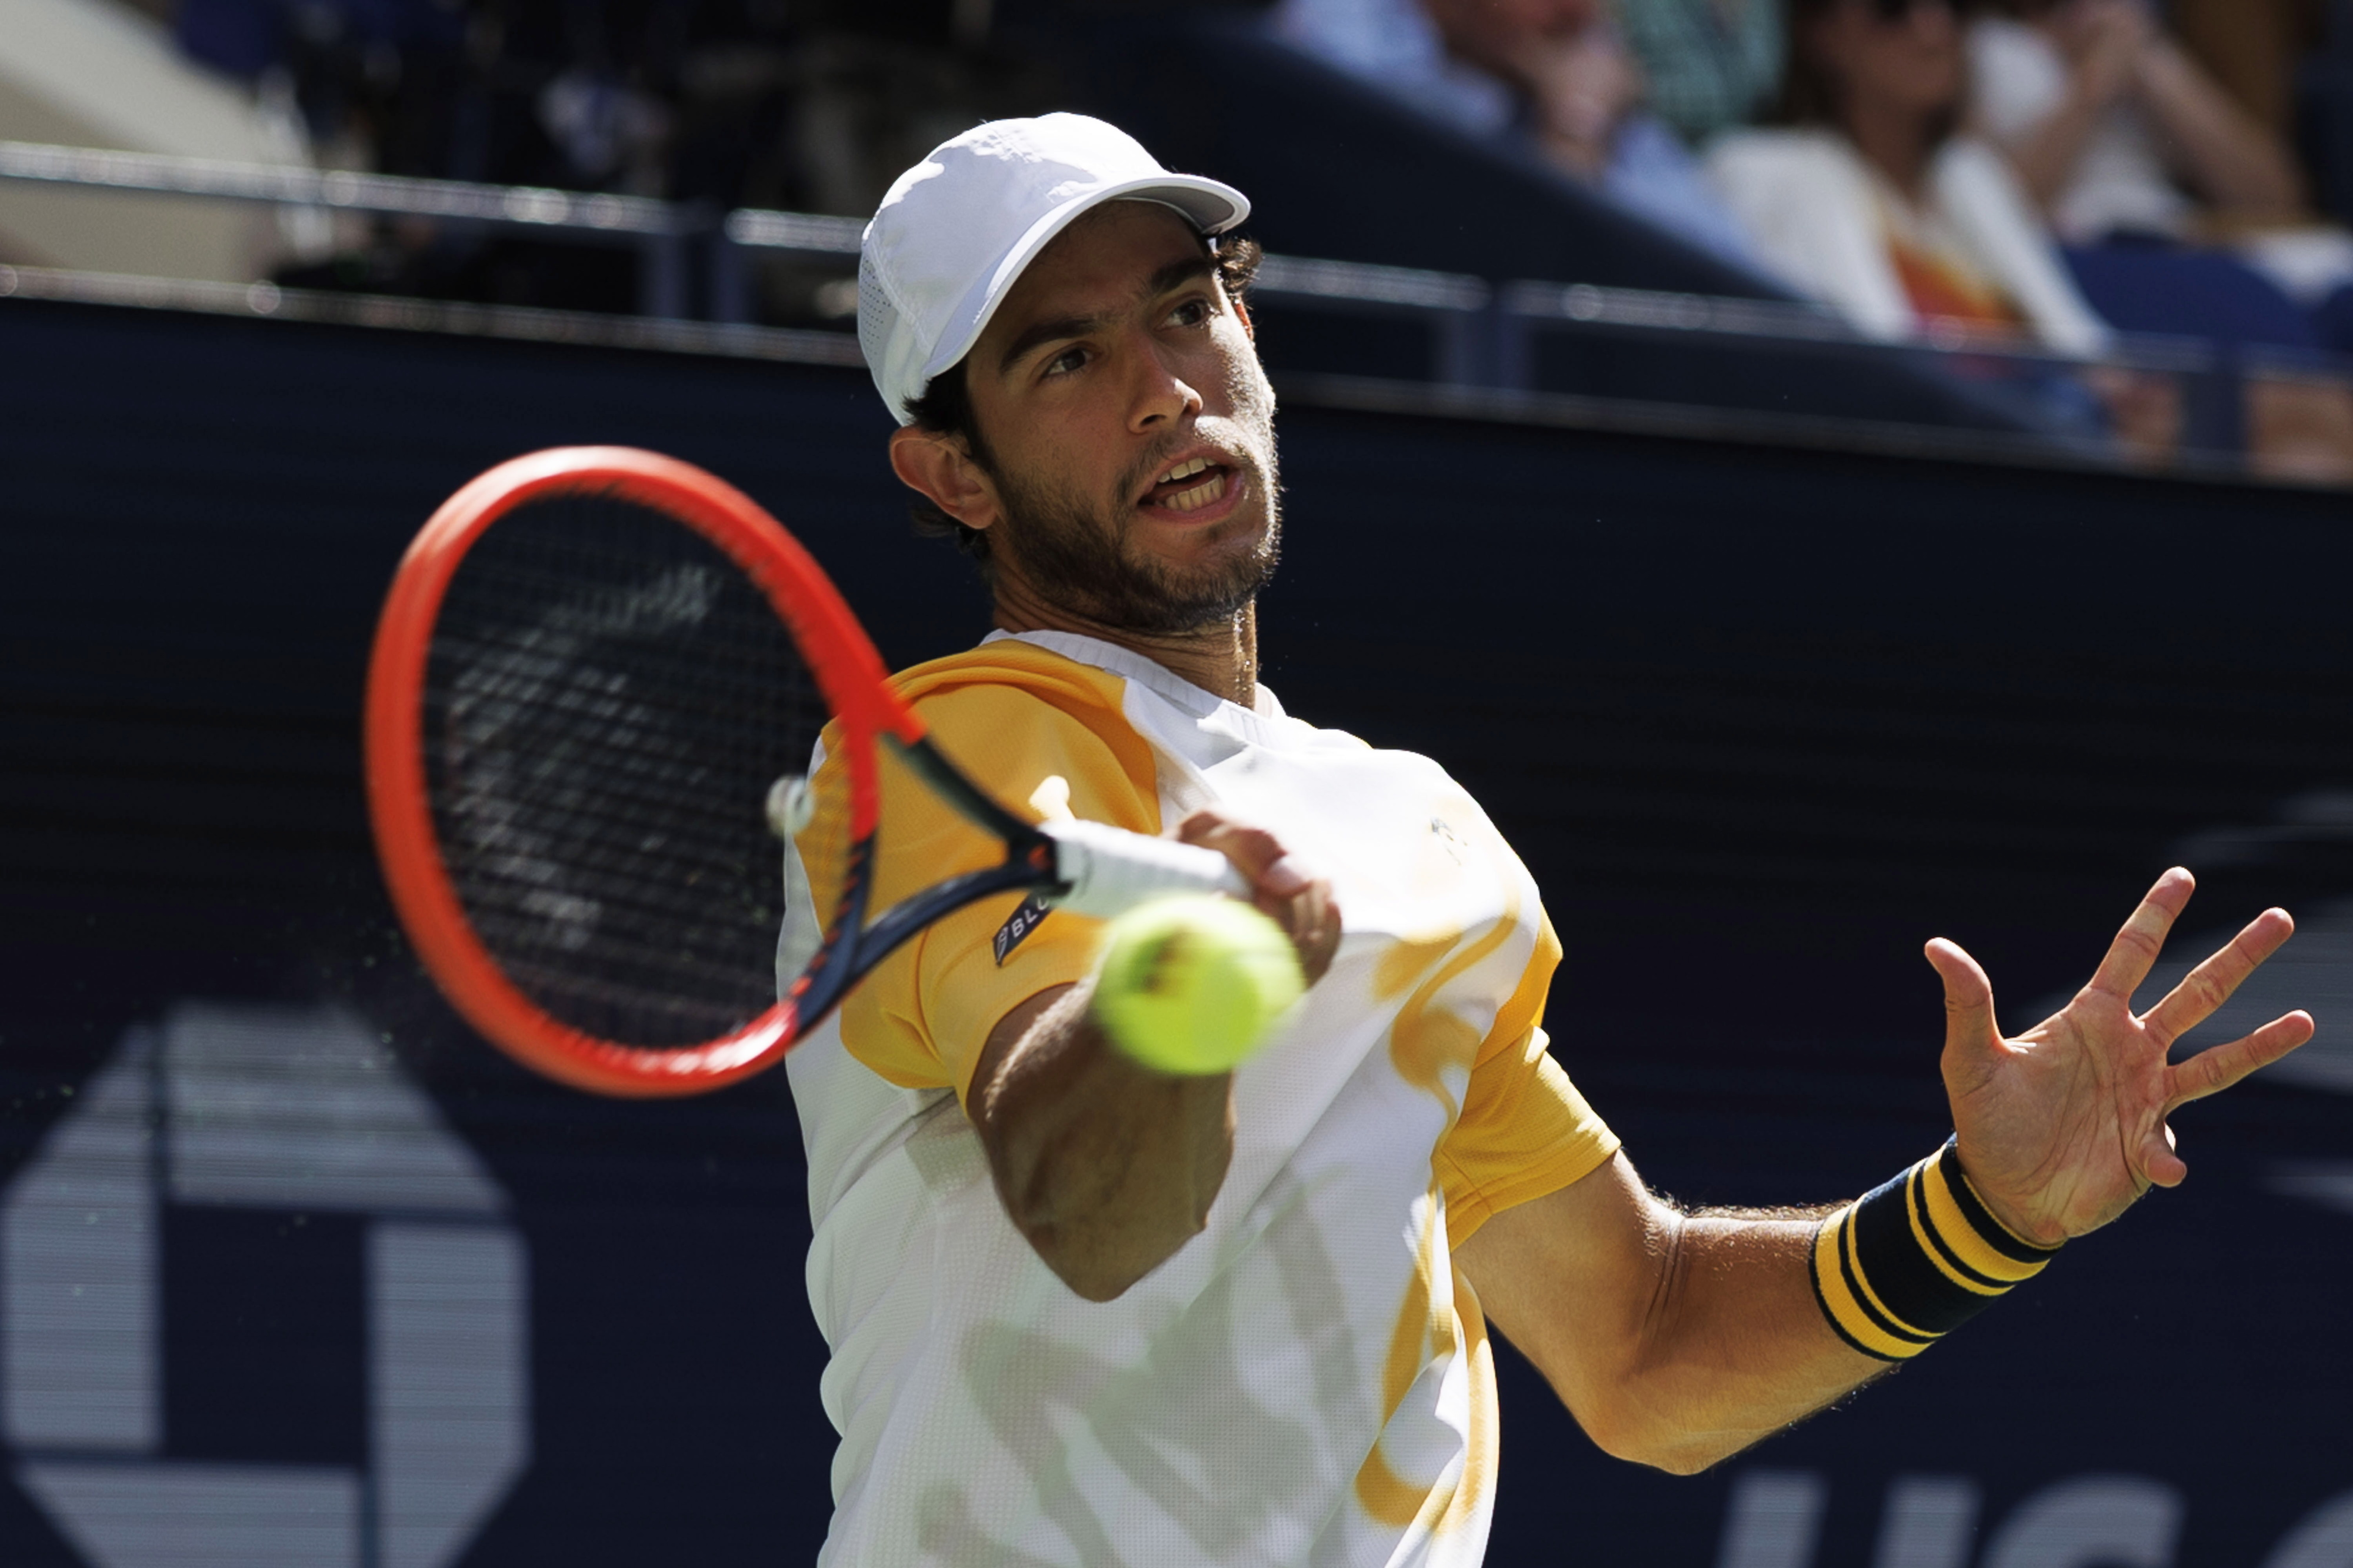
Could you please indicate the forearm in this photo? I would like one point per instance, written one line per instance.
(1105, 1166)
(1586, 158)
(2045, 155)
(1674, 1339)
(1678, 1340)
(1737, 1348)
(1734, 1347)
(2229, 159)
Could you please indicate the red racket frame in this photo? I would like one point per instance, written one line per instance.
(848, 670)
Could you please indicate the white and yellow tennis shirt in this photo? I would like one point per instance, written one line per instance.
(1307, 1381)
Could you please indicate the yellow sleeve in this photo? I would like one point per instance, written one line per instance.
(921, 1019)
(1525, 1130)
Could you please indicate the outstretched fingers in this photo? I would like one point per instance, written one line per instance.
(2137, 946)
(2212, 1072)
(2209, 985)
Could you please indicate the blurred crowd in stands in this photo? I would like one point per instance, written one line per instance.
(2049, 172)
(2055, 169)
(2056, 166)
(805, 105)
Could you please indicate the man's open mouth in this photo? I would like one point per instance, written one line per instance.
(1190, 485)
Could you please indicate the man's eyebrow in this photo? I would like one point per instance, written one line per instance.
(1040, 332)
(1173, 276)
(1178, 272)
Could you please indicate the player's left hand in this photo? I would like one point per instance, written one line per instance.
(2061, 1128)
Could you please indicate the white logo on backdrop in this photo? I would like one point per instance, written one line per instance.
(271, 1109)
(1773, 1520)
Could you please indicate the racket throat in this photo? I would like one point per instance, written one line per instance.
(1022, 838)
(828, 973)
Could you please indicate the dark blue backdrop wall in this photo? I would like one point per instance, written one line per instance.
(1760, 721)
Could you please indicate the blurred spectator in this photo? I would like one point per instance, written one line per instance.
(2251, 49)
(812, 105)
(2134, 150)
(1551, 75)
(2324, 112)
(1865, 198)
(1868, 197)
(2103, 113)
(1711, 64)
(354, 68)
(606, 128)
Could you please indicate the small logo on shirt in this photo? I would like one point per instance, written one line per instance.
(1018, 925)
(1448, 839)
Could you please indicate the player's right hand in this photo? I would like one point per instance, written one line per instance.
(1286, 892)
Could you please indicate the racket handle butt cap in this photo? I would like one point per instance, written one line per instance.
(790, 806)
(1109, 870)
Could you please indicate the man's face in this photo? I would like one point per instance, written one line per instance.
(1500, 33)
(1130, 426)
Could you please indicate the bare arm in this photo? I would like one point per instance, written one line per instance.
(2226, 157)
(2045, 155)
(2113, 50)
(1676, 1341)
(1107, 1167)
(1584, 87)
(2104, 47)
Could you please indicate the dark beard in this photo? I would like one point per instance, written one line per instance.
(1071, 552)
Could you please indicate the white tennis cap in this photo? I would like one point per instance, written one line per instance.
(952, 238)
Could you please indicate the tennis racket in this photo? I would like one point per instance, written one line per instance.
(598, 676)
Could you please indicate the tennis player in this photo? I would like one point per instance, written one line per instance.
(1083, 1312)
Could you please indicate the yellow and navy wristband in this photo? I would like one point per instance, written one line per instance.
(1910, 1261)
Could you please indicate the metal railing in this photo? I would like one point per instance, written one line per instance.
(696, 282)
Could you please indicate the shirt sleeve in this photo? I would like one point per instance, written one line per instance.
(922, 1017)
(1525, 1130)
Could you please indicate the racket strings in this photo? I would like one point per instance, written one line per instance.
(608, 697)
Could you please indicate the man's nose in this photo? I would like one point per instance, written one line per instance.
(1162, 395)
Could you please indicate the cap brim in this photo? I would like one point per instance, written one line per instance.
(1211, 207)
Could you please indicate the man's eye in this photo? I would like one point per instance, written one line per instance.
(1191, 313)
(1066, 362)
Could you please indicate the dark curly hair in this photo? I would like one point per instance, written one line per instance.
(945, 406)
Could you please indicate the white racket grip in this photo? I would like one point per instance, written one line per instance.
(1111, 870)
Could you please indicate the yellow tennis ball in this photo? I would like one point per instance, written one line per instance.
(1190, 985)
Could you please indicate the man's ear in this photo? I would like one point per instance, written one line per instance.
(940, 467)
(1250, 328)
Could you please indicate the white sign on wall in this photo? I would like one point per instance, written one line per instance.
(275, 1109)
